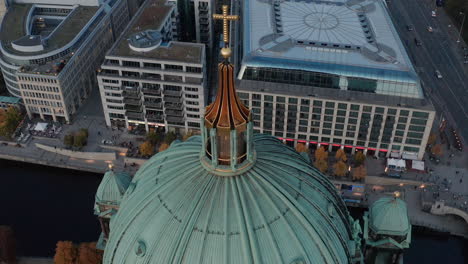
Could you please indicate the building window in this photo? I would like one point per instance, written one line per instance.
(194, 69)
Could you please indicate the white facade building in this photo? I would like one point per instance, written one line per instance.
(151, 81)
(50, 53)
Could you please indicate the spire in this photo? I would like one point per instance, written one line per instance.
(227, 131)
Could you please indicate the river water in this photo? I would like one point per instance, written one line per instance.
(45, 205)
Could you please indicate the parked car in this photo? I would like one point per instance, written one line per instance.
(409, 27)
(438, 74)
(433, 13)
(429, 28)
(107, 142)
(417, 41)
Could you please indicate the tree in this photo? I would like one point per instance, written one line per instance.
(171, 136)
(88, 254)
(437, 150)
(321, 165)
(146, 149)
(84, 131)
(79, 139)
(359, 173)
(432, 139)
(341, 155)
(359, 158)
(7, 245)
(163, 147)
(301, 147)
(11, 118)
(340, 168)
(65, 253)
(321, 154)
(187, 135)
(68, 140)
(153, 137)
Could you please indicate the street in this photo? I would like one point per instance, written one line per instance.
(439, 51)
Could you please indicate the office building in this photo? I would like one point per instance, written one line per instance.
(150, 80)
(50, 52)
(332, 74)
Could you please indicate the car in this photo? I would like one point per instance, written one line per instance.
(429, 28)
(438, 74)
(409, 27)
(417, 41)
(107, 142)
(433, 13)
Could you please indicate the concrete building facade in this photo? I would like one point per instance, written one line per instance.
(52, 62)
(332, 74)
(150, 80)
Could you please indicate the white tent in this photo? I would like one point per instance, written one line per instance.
(417, 165)
(40, 126)
(396, 164)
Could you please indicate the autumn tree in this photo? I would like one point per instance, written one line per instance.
(432, 139)
(340, 168)
(301, 147)
(321, 154)
(146, 148)
(187, 135)
(65, 253)
(163, 147)
(80, 138)
(437, 150)
(341, 155)
(359, 173)
(88, 254)
(153, 137)
(359, 158)
(321, 165)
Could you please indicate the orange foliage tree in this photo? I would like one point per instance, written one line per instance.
(301, 147)
(341, 155)
(340, 168)
(321, 165)
(321, 154)
(65, 253)
(88, 254)
(359, 158)
(437, 150)
(163, 147)
(146, 149)
(359, 173)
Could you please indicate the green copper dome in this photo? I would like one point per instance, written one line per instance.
(279, 210)
(389, 216)
(112, 187)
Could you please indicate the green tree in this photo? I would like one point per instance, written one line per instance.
(11, 118)
(341, 155)
(79, 139)
(153, 137)
(340, 168)
(146, 149)
(65, 253)
(171, 136)
(321, 154)
(359, 158)
(68, 140)
(321, 165)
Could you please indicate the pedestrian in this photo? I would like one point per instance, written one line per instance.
(461, 180)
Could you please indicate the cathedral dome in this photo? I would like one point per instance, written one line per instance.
(280, 210)
(389, 216)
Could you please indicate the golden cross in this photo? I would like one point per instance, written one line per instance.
(225, 17)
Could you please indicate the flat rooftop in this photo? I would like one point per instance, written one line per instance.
(150, 16)
(354, 38)
(14, 27)
(334, 94)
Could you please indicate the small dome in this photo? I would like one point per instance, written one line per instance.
(145, 41)
(281, 210)
(389, 216)
(112, 187)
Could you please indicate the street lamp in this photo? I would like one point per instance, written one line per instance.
(461, 28)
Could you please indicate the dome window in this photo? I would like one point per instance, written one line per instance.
(140, 248)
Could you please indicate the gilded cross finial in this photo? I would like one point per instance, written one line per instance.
(226, 52)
